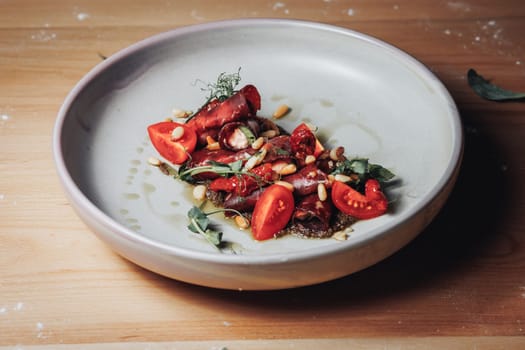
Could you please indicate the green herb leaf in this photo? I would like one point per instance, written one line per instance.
(223, 169)
(248, 133)
(199, 223)
(352, 166)
(380, 174)
(364, 169)
(489, 91)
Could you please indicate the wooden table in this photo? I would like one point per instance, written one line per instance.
(459, 285)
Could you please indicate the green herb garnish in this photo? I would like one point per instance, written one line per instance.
(222, 89)
(222, 169)
(200, 223)
(489, 91)
(248, 134)
(379, 173)
(363, 169)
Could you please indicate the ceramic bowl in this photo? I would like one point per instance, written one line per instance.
(362, 93)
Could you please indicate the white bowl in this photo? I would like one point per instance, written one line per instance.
(362, 93)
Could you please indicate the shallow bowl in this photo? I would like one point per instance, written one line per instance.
(372, 98)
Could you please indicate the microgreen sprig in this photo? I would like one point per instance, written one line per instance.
(222, 89)
(219, 168)
(200, 224)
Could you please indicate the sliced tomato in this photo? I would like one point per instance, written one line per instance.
(177, 149)
(319, 148)
(272, 212)
(303, 141)
(370, 205)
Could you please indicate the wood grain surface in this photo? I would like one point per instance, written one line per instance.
(459, 285)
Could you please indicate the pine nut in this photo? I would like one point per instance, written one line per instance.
(258, 143)
(281, 111)
(250, 163)
(154, 161)
(269, 134)
(256, 159)
(210, 140)
(177, 133)
(340, 236)
(179, 113)
(199, 192)
(241, 222)
(342, 178)
(321, 192)
(285, 184)
(215, 146)
(168, 119)
(288, 169)
(310, 159)
(278, 166)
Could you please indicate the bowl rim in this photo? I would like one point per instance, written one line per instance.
(89, 210)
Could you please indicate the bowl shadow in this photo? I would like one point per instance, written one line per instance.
(458, 236)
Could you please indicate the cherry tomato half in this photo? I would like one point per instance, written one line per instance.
(175, 148)
(370, 205)
(272, 212)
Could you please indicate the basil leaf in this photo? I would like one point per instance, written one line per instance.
(364, 170)
(489, 91)
(380, 174)
(359, 166)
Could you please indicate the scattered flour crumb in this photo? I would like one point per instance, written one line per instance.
(18, 306)
(5, 117)
(2, 197)
(459, 6)
(278, 5)
(395, 7)
(194, 14)
(82, 16)
(447, 32)
(226, 323)
(40, 330)
(518, 62)
(3, 310)
(43, 36)
(350, 12)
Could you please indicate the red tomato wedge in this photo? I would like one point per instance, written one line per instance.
(272, 212)
(370, 205)
(174, 146)
(303, 141)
